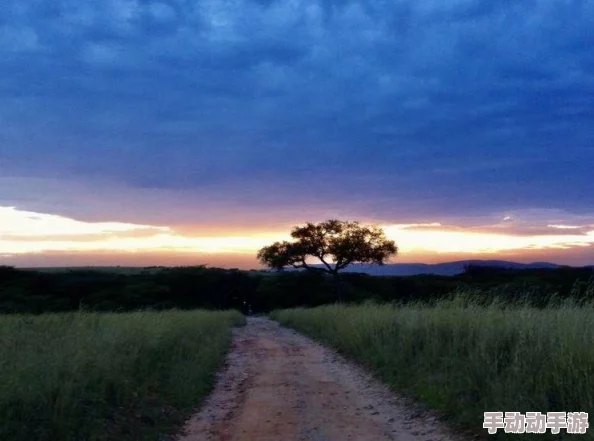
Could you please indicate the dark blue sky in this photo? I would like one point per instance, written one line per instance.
(182, 112)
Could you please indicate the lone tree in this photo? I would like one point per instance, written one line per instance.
(335, 243)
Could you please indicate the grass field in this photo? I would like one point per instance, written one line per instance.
(85, 376)
(464, 359)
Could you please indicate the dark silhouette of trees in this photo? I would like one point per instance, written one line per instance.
(336, 244)
(37, 292)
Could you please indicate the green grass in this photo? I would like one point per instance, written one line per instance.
(89, 376)
(463, 359)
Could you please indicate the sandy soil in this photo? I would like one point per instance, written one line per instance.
(280, 385)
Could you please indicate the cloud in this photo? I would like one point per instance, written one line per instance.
(568, 227)
(17, 224)
(471, 242)
(24, 232)
(18, 39)
(416, 226)
(407, 111)
(30, 233)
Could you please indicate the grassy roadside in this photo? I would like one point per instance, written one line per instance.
(95, 377)
(463, 359)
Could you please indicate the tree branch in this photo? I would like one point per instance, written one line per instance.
(326, 264)
(310, 268)
(344, 264)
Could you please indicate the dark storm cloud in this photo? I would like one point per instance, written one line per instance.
(436, 107)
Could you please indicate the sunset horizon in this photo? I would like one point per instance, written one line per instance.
(30, 239)
(165, 132)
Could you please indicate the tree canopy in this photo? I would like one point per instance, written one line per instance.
(336, 244)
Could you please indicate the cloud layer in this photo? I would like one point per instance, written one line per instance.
(29, 233)
(261, 111)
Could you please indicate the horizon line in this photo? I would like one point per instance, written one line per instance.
(206, 265)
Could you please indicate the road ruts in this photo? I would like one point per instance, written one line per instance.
(278, 385)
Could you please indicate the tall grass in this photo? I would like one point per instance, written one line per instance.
(463, 358)
(88, 376)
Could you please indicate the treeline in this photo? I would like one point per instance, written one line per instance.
(28, 291)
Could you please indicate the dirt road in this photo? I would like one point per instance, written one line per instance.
(278, 385)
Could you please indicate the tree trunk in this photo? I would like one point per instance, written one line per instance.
(338, 286)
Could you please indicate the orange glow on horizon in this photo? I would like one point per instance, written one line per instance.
(28, 233)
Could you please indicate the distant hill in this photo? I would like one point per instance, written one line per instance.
(393, 269)
(440, 269)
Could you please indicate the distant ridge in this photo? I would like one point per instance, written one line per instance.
(441, 269)
(392, 269)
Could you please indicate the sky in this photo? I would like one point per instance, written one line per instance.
(181, 132)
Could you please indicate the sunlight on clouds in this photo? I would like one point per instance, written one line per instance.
(405, 226)
(158, 242)
(565, 227)
(15, 223)
(410, 239)
(18, 228)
